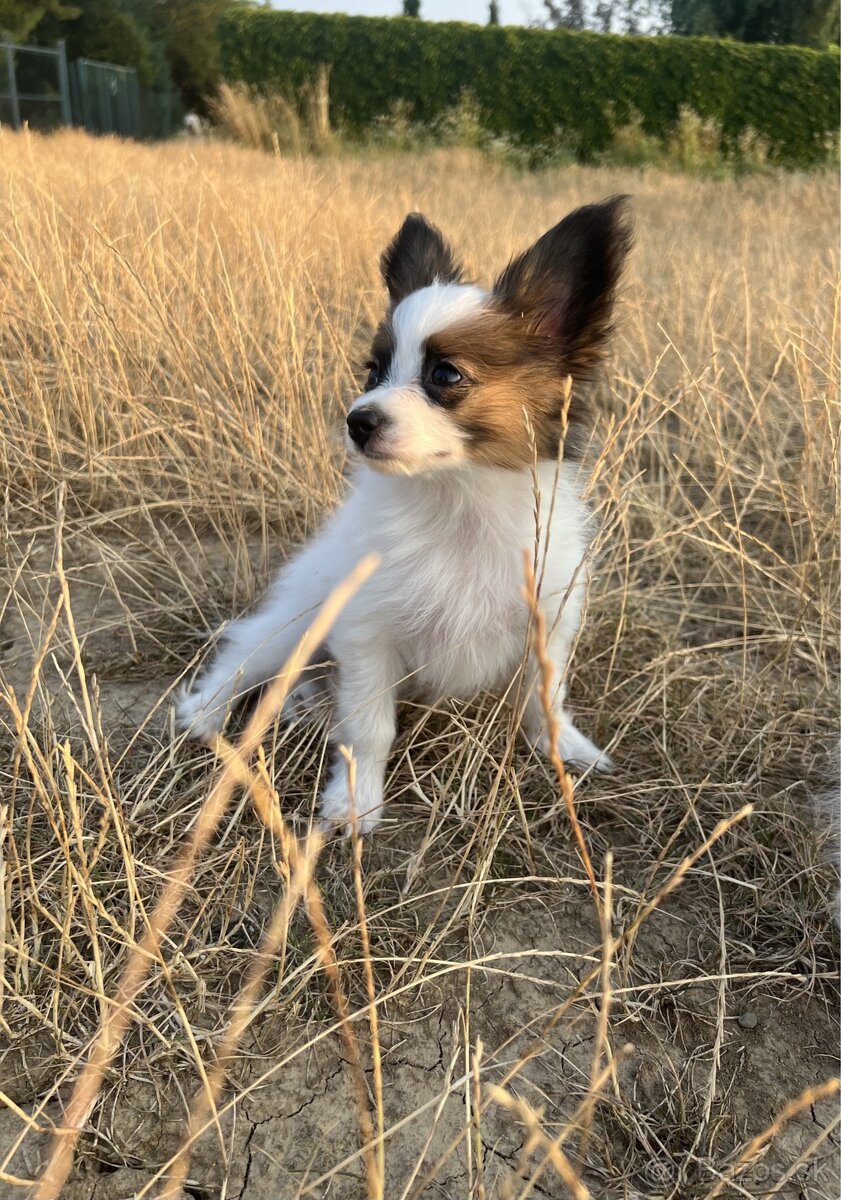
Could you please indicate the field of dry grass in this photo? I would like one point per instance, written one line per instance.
(180, 332)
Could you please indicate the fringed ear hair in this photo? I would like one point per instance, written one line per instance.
(564, 285)
(417, 257)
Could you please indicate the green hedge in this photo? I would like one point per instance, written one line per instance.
(533, 85)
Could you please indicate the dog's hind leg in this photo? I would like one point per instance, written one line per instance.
(574, 746)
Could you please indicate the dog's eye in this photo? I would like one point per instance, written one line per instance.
(374, 377)
(444, 374)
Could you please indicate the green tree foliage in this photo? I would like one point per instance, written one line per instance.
(533, 86)
(609, 16)
(170, 42)
(569, 14)
(188, 31)
(105, 31)
(19, 18)
(411, 8)
(493, 13)
(801, 22)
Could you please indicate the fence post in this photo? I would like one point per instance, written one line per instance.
(125, 119)
(134, 105)
(64, 84)
(13, 87)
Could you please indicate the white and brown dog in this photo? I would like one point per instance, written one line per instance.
(465, 403)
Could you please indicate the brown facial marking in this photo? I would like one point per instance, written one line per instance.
(510, 374)
(548, 322)
(544, 331)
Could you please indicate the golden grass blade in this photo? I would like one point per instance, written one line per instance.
(576, 1121)
(600, 1046)
(376, 1177)
(476, 1120)
(537, 1137)
(241, 1012)
(546, 684)
(755, 1146)
(113, 1028)
(370, 1149)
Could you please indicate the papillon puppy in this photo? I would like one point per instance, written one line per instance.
(466, 408)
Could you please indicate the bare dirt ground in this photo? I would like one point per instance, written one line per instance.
(176, 327)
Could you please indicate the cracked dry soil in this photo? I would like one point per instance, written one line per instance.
(287, 1125)
(295, 1133)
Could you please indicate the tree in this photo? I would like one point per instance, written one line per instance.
(20, 18)
(493, 13)
(802, 22)
(411, 8)
(187, 30)
(610, 16)
(569, 14)
(107, 31)
(171, 43)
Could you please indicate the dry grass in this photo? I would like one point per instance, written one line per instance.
(276, 122)
(180, 328)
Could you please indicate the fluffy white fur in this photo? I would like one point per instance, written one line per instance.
(420, 435)
(444, 615)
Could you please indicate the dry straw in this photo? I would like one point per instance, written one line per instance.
(181, 332)
(119, 1014)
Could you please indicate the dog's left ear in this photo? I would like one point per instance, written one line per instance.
(417, 257)
(564, 285)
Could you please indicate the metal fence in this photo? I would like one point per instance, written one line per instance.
(36, 88)
(40, 89)
(106, 98)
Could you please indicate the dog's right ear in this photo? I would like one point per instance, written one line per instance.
(417, 257)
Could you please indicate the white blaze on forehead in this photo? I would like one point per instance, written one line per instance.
(424, 313)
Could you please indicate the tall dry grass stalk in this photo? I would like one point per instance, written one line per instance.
(182, 329)
(274, 121)
(178, 879)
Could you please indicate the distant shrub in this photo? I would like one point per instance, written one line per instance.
(694, 144)
(752, 154)
(631, 146)
(462, 125)
(397, 130)
(543, 88)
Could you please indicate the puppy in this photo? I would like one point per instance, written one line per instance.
(466, 403)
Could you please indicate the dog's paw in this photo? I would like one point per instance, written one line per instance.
(335, 810)
(199, 716)
(575, 749)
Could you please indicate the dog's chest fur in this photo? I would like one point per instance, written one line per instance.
(449, 592)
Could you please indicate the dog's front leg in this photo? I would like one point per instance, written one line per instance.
(573, 745)
(365, 721)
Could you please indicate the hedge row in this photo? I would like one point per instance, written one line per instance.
(534, 85)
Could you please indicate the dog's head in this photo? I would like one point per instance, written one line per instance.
(458, 374)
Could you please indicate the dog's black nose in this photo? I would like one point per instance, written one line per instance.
(362, 422)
